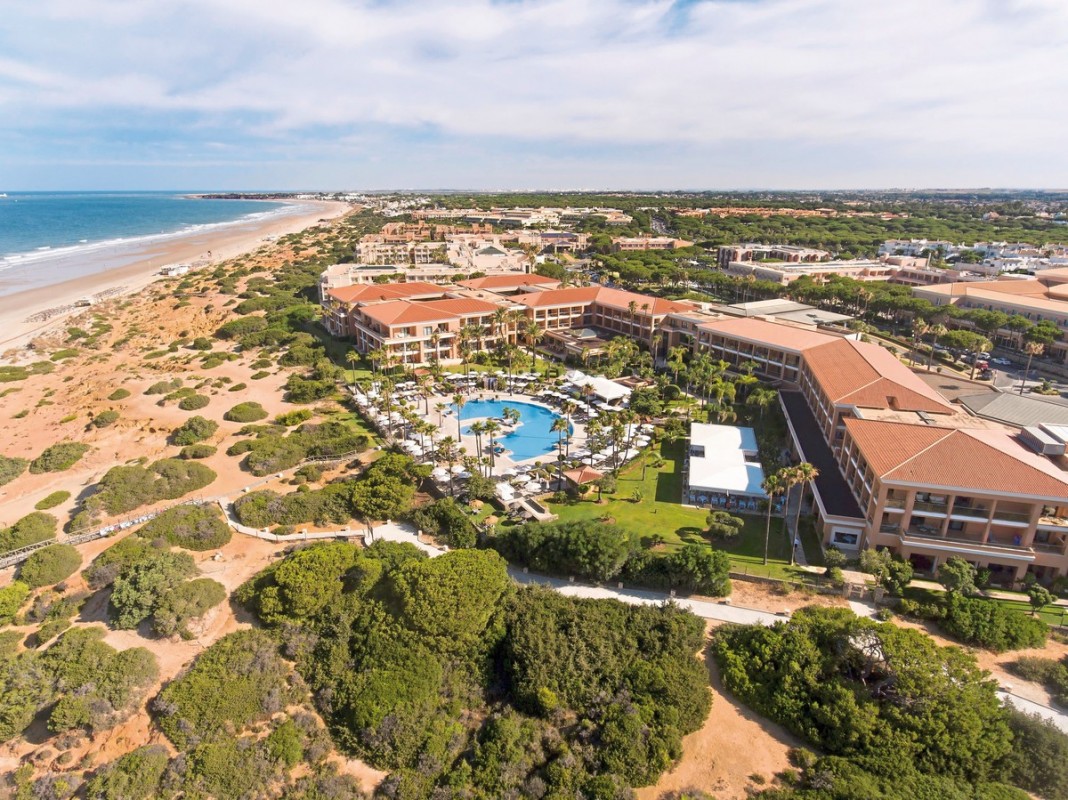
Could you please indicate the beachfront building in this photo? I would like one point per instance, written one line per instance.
(724, 468)
(930, 492)
(341, 304)
(774, 348)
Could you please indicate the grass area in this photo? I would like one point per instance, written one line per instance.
(660, 512)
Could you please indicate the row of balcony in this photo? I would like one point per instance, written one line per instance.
(990, 546)
(965, 511)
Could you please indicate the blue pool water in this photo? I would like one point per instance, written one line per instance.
(531, 439)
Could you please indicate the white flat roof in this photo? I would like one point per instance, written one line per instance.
(723, 467)
(603, 387)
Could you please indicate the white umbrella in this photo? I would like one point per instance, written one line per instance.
(457, 469)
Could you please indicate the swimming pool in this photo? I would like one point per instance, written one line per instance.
(531, 439)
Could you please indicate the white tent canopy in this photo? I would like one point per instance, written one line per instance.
(602, 387)
(724, 459)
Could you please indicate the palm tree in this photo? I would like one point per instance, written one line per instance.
(1032, 349)
(656, 341)
(425, 384)
(676, 358)
(937, 331)
(762, 398)
(491, 426)
(459, 401)
(533, 333)
(435, 342)
(561, 428)
(919, 329)
(980, 344)
(447, 452)
(478, 428)
(353, 358)
(500, 325)
(773, 485)
(632, 307)
(801, 475)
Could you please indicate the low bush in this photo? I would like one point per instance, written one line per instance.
(11, 468)
(192, 527)
(1039, 758)
(193, 402)
(12, 597)
(119, 394)
(193, 707)
(65, 353)
(187, 602)
(1049, 672)
(52, 500)
(196, 451)
(246, 412)
(265, 509)
(291, 418)
(238, 387)
(33, 528)
(201, 343)
(59, 457)
(991, 625)
(123, 489)
(193, 430)
(105, 418)
(446, 520)
(50, 565)
(133, 776)
(124, 553)
(164, 387)
(141, 586)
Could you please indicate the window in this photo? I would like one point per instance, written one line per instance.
(956, 525)
(845, 539)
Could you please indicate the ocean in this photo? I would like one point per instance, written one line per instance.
(49, 237)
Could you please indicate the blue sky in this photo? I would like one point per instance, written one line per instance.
(321, 94)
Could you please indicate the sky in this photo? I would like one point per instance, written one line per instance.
(518, 94)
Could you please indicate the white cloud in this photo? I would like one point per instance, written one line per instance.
(978, 78)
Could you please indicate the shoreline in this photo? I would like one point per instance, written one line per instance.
(21, 312)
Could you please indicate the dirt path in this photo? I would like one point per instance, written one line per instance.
(735, 751)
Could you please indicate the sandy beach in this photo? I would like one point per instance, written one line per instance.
(20, 312)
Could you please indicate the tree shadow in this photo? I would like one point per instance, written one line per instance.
(691, 535)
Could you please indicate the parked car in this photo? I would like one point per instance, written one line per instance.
(1001, 362)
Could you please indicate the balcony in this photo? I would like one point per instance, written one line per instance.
(894, 504)
(1011, 518)
(1054, 523)
(1056, 548)
(1010, 552)
(928, 508)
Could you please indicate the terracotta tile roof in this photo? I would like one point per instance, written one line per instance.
(861, 374)
(504, 281)
(377, 293)
(574, 295)
(989, 461)
(404, 312)
(583, 475)
(787, 337)
(615, 298)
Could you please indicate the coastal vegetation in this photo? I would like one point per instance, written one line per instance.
(190, 526)
(50, 565)
(194, 402)
(425, 641)
(193, 430)
(52, 500)
(272, 450)
(105, 418)
(31, 529)
(59, 457)
(11, 468)
(894, 714)
(246, 412)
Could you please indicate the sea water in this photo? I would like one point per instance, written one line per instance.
(48, 237)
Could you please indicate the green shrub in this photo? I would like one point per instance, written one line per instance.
(190, 526)
(59, 457)
(124, 553)
(256, 682)
(991, 625)
(67, 352)
(105, 418)
(12, 597)
(50, 565)
(189, 601)
(193, 430)
(119, 394)
(164, 387)
(238, 387)
(445, 519)
(201, 343)
(133, 776)
(246, 412)
(256, 376)
(236, 328)
(33, 528)
(291, 418)
(1039, 758)
(9, 374)
(141, 586)
(193, 402)
(52, 500)
(198, 451)
(123, 489)
(11, 468)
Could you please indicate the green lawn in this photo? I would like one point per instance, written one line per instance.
(661, 512)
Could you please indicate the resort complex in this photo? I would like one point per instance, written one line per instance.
(900, 466)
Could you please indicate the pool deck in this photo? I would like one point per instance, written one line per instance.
(446, 421)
